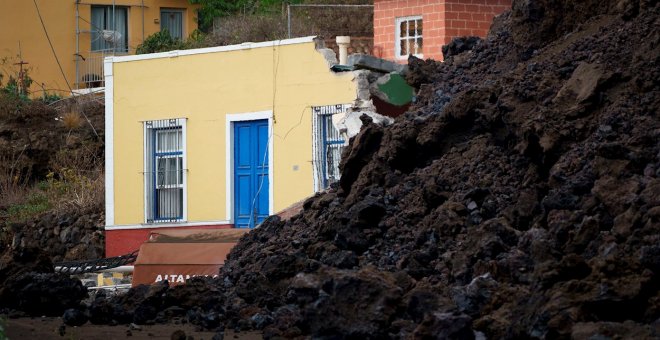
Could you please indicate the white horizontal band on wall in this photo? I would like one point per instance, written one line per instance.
(166, 225)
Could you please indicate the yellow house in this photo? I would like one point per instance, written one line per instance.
(217, 137)
(82, 33)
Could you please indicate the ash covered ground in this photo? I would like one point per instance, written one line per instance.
(518, 198)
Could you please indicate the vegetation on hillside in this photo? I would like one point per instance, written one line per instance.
(224, 22)
(51, 160)
(162, 41)
(211, 9)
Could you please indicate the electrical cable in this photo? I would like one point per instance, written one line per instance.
(51, 46)
(60, 65)
(272, 134)
(276, 64)
(261, 183)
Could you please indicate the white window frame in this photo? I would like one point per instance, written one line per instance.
(398, 38)
(319, 155)
(182, 122)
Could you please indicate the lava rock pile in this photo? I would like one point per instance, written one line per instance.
(76, 235)
(29, 285)
(519, 198)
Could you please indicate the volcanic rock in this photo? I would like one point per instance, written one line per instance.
(518, 198)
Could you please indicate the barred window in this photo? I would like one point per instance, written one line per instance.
(328, 145)
(164, 170)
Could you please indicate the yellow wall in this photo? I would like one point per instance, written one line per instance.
(204, 88)
(20, 23)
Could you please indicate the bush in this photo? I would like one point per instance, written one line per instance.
(14, 175)
(19, 81)
(72, 120)
(162, 42)
(36, 204)
(159, 42)
(73, 190)
(60, 193)
(49, 98)
(268, 21)
(210, 9)
(75, 183)
(248, 28)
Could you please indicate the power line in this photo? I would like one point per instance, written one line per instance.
(60, 65)
(51, 46)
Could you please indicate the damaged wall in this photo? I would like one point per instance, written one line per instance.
(203, 86)
(382, 93)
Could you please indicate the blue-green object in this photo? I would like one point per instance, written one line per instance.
(397, 90)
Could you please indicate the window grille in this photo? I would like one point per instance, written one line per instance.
(409, 36)
(328, 144)
(164, 170)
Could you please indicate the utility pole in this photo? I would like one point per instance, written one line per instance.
(21, 72)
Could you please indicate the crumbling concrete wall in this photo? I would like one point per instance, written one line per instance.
(382, 92)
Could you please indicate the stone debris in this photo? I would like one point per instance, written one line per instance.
(517, 198)
(369, 62)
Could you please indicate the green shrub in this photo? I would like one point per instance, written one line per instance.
(248, 28)
(159, 42)
(162, 42)
(36, 204)
(50, 98)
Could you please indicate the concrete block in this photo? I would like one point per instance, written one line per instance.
(350, 124)
(364, 61)
(329, 55)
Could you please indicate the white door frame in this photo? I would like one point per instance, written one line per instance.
(229, 157)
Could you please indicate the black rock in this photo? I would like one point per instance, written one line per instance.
(178, 335)
(74, 317)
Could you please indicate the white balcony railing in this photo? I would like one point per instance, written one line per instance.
(89, 68)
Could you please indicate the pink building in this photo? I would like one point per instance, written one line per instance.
(421, 27)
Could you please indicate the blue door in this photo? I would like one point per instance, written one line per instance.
(250, 173)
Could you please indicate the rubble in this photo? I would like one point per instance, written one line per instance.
(518, 198)
(28, 284)
(380, 96)
(74, 317)
(72, 236)
(369, 62)
(514, 200)
(459, 45)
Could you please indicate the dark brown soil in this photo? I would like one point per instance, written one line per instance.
(35, 142)
(51, 328)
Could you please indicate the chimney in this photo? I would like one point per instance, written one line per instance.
(343, 41)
